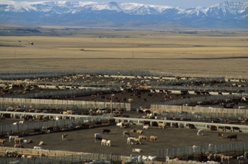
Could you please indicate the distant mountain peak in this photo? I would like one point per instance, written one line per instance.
(43, 12)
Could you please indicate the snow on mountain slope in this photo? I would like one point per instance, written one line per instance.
(114, 11)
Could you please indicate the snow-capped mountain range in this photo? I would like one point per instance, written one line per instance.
(229, 14)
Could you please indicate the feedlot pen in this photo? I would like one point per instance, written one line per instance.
(83, 140)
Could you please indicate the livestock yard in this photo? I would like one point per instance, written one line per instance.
(151, 95)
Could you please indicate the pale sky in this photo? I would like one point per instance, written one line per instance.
(173, 3)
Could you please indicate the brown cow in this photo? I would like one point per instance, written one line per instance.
(139, 131)
(125, 125)
(132, 131)
(41, 143)
(18, 140)
(18, 145)
(30, 141)
(153, 138)
(130, 100)
(142, 137)
(163, 125)
(138, 140)
(2, 141)
(220, 135)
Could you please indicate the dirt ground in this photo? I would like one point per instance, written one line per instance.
(83, 140)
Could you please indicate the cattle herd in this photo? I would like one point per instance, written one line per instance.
(140, 92)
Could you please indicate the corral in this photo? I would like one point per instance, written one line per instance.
(178, 121)
(83, 140)
(186, 103)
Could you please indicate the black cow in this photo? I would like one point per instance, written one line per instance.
(236, 129)
(146, 122)
(105, 131)
(191, 126)
(212, 127)
(232, 136)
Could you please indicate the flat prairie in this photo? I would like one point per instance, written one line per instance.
(198, 53)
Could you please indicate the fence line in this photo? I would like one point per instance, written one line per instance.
(226, 149)
(185, 80)
(199, 88)
(206, 110)
(57, 157)
(62, 104)
(80, 92)
(200, 112)
(208, 117)
(34, 74)
(204, 98)
(62, 123)
(55, 73)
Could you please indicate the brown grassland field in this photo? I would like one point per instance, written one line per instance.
(203, 53)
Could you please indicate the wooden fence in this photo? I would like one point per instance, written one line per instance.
(62, 104)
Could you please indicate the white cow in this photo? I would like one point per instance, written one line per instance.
(144, 158)
(200, 132)
(133, 141)
(119, 124)
(130, 140)
(226, 158)
(37, 147)
(12, 138)
(145, 126)
(21, 122)
(108, 143)
(64, 136)
(241, 159)
(136, 150)
(103, 142)
(10, 153)
(151, 158)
